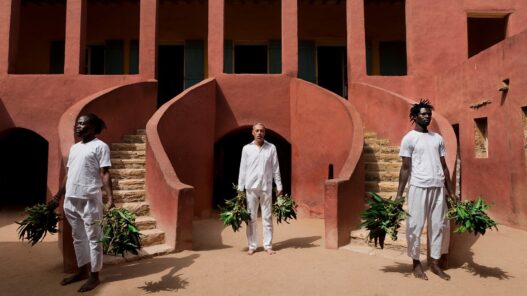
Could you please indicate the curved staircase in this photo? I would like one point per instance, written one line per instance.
(129, 191)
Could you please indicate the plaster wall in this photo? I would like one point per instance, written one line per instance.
(179, 22)
(310, 16)
(112, 21)
(252, 21)
(501, 177)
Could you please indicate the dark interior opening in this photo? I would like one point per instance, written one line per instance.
(23, 178)
(227, 157)
(332, 68)
(250, 59)
(170, 72)
(485, 32)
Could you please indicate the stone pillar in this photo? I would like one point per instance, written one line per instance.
(148, 38)
(355, 40)
(290, 37)
(75, 41)
(9, 18)
(216, 29)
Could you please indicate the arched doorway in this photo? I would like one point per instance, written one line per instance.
(23, 178)
(227, 156)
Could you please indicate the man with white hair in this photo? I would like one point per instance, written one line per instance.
(258, 167)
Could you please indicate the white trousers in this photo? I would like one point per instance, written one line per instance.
(427, 205)
(83, 214)
(264, 199)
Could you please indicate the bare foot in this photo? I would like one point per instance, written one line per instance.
(74, 278)
(434, 267)
(250, 252)
(418, 270)
(90, 284)
(270, 251)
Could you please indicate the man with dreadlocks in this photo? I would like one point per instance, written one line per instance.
(88, 169)
(423, 164)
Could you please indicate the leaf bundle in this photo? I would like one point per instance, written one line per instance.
(120, 233)
(41, 219)
(284, 208)
(235, 211)
(470, 216)
(383, 217)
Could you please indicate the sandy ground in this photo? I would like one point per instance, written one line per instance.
(491, 265)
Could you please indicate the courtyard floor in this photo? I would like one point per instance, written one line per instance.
(494, 264)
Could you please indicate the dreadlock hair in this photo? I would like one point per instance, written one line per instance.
(414, 111)
(96, 121)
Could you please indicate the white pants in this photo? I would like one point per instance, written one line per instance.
(83, 214)
(264, 199)
(427, 205)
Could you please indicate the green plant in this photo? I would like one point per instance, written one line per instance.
(284, 208)
(470, 216)
(120, 233)
(235, 211)
(41, 219)
(383, 217)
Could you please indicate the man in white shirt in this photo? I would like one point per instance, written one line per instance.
(258, 167)
(423, 155)
(88, 170)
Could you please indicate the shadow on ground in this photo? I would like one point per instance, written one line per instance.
(168, 282)
(297, 243)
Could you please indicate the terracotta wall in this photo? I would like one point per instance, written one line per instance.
(182, 21)
(501, 177)
(180, 162)
(251, 21)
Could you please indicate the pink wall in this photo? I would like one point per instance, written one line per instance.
(475, 81)
(180, 162)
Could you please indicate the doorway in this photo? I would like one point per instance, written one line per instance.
(23, 178)
(170, 72)
(227, 157)
(250, 59)
(331, 62)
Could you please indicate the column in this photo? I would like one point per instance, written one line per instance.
(148, 38)
(9, 18)
(290, 37)
(75, 42)
(215, 37)
(355, 40)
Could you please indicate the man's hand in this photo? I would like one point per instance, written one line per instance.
(54, 202)
(399, 197)
(110, 204)
(279, 193)
(452, 200)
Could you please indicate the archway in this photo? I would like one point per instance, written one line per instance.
(23, 178)
(227, 156)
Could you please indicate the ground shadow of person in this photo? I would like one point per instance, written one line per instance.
(461, 256)
(169, 282)
(151, 266)
(297, 243)
(403, 268)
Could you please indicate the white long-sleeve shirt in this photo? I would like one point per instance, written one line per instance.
(258, 167)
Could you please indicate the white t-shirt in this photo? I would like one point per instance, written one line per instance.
(84, 163)
(258, 167)
(426, 150)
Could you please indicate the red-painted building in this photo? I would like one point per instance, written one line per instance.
(196, 74)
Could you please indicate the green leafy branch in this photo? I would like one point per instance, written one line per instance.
(470, 216)
(284, 208)
(235, 211)
(120, 233)
(41, 219)
(384, 216)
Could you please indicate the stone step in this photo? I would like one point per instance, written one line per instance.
(374, 148)
(128, 146)
(128, 184)
(152, 237)
(145, 252)
(128, 163)
(127, 154)
(384, 194)
(381, 186)
(384, 176)
(383, 166)
(134, 139)
(126, 196)
(127, 173)
(376, 141)
(370, 135)
(145, 222)
(141, 132)
(382, 157)
(138, 208)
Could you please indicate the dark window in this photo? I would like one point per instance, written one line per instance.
(485, 32)
(56, 57)
(250, 59)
